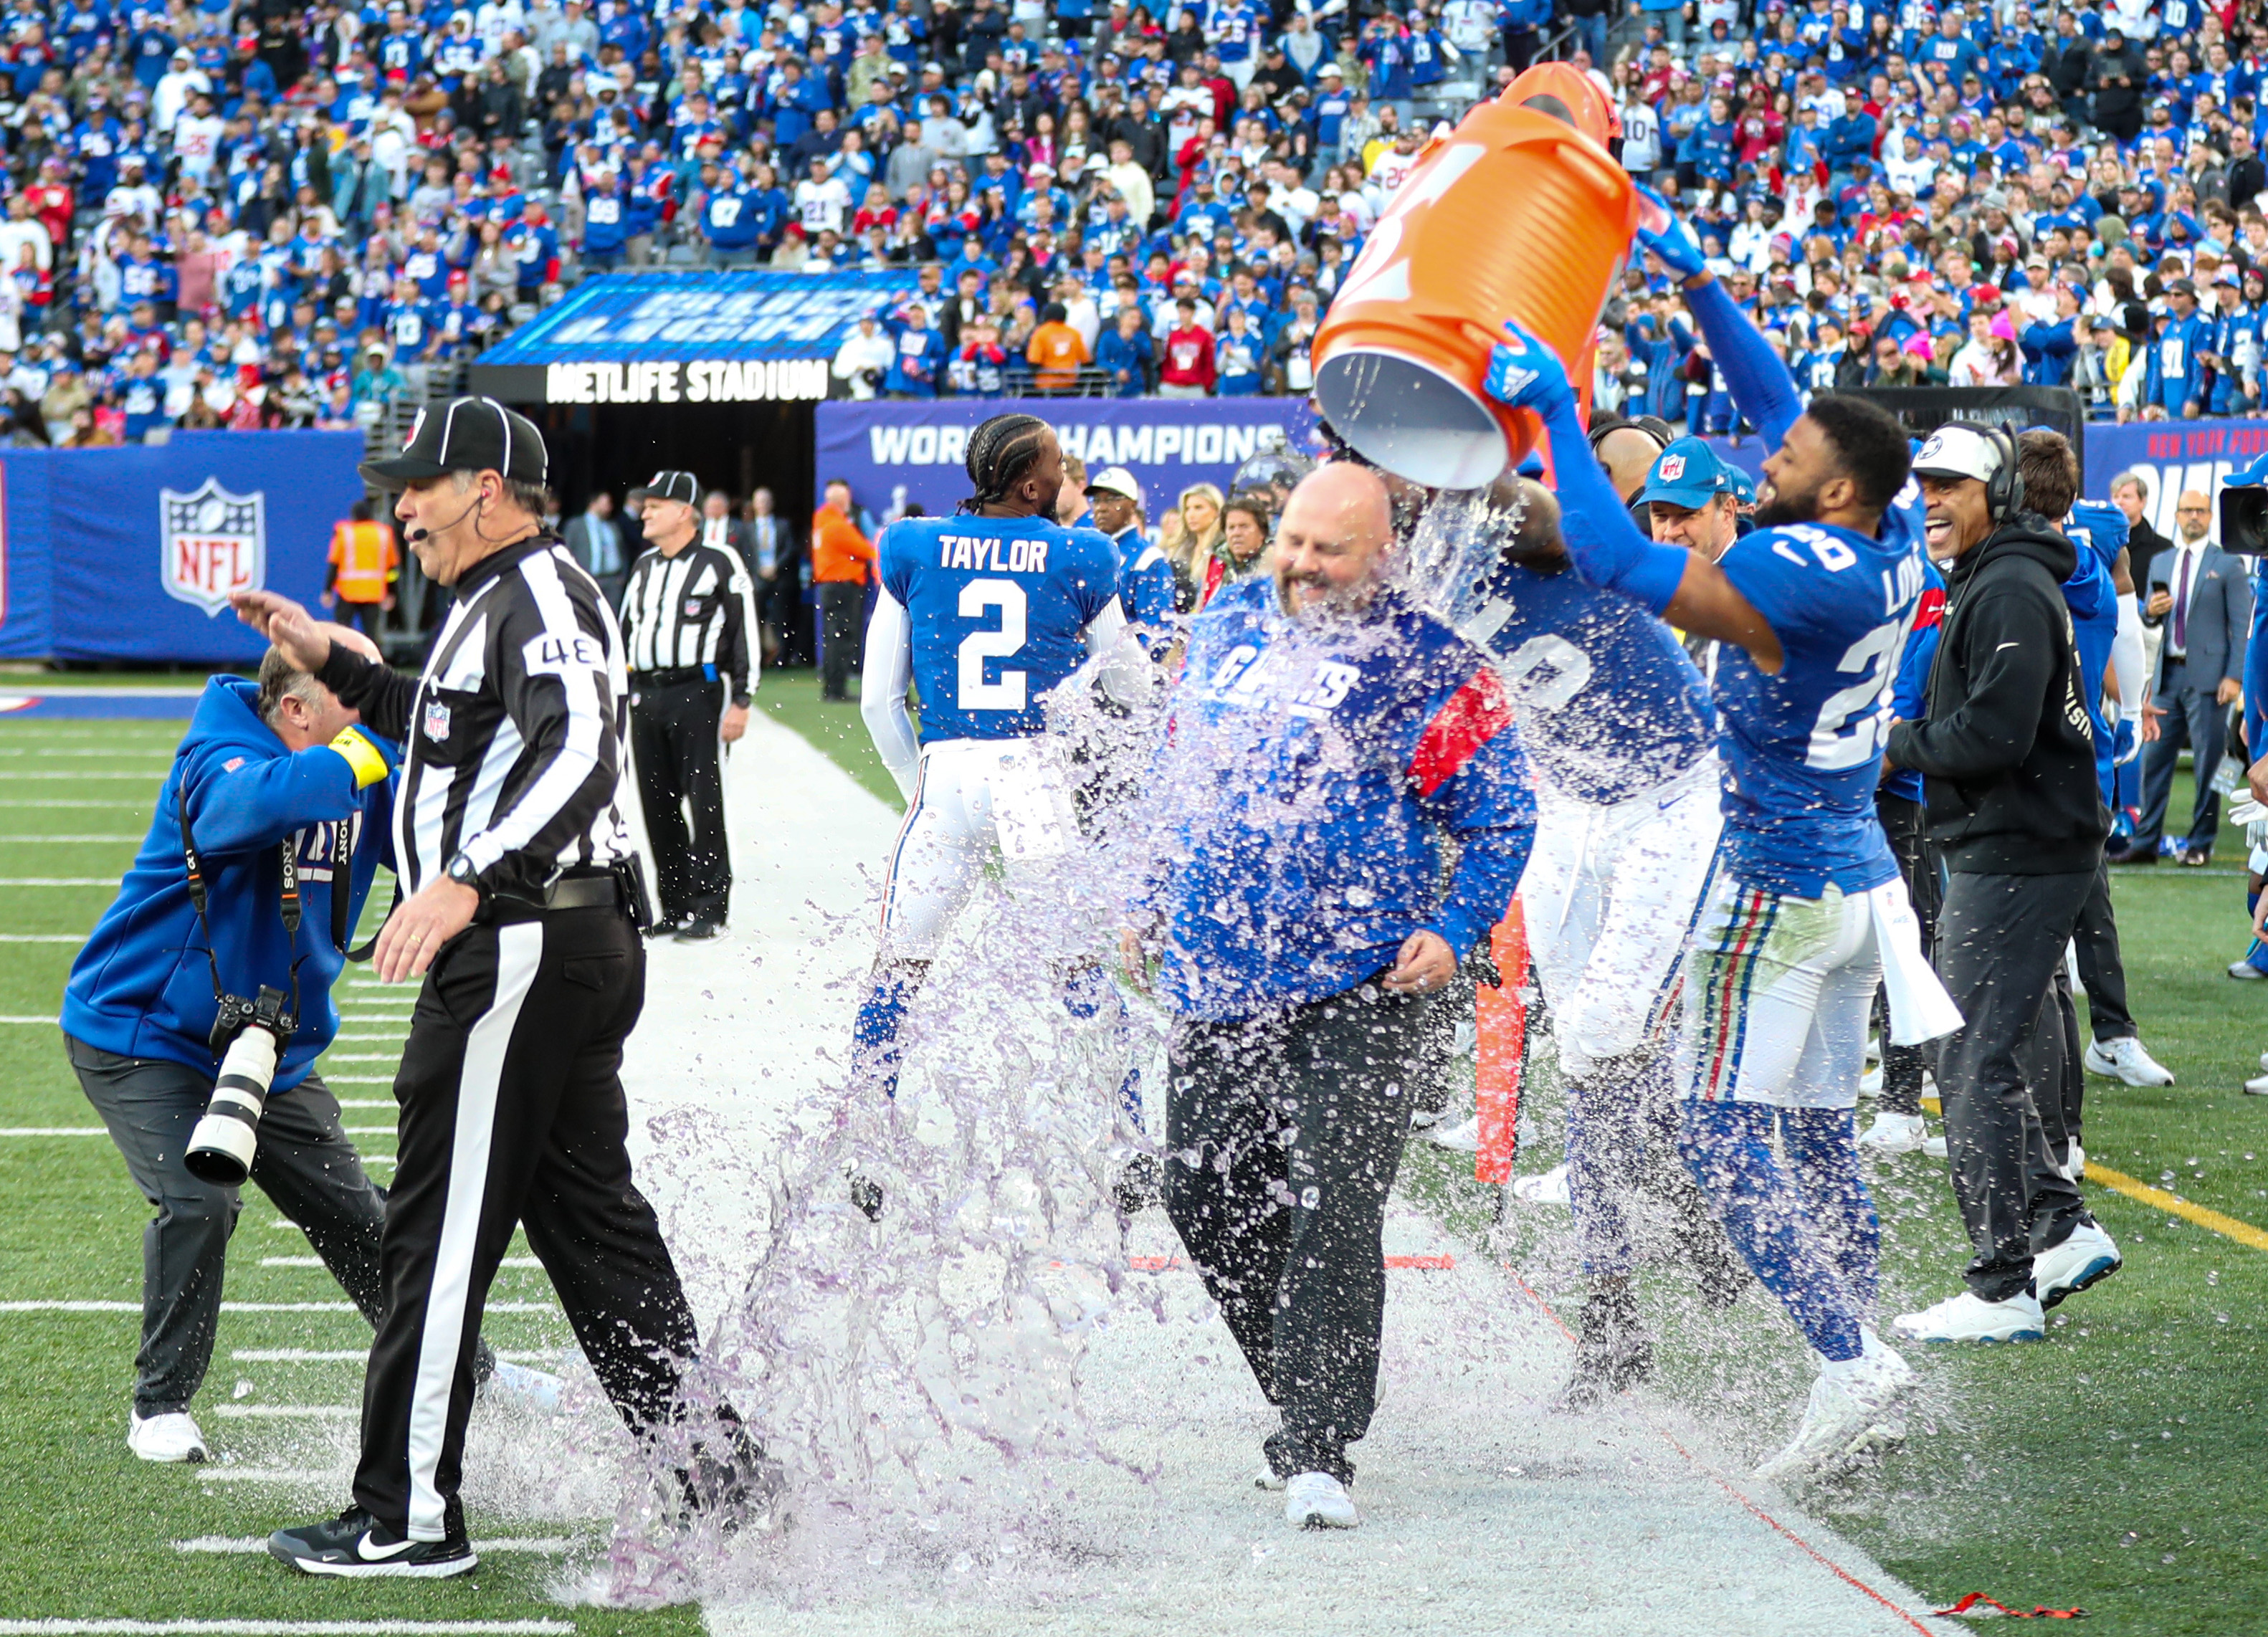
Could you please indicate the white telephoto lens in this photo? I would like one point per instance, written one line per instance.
(221, 1149)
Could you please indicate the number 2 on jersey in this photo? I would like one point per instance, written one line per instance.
(1851, 722)
(977, 598)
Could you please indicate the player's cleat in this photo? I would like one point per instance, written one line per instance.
(1968, 1317)
(169, 1438)
(1140, 1185)
(1894, 1134)
(354, 1546)
(538, 1389)
(1548, 1189)
(2087, 1258)
(700, 931)
(2257, 1087)
(1318, 1500)
(2125, 1059)
(1856, 1410)
(1613, 1352)
(1267, 1479)
(1464, 1137)
(867, 1195)
(2245, 972)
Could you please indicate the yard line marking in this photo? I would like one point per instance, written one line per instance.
(287, 1626)
(285, 1412)
(2173, 1204)
(91, 773)
(355, 1356)
(358, 1080)
(53, 1131)
(248, 1306)
(364, 1057)
(368, 1102)
(298, 1478)
(120, 800)
(26, 1020)
(355, 1037)
(26, 750)
(58, 880)
(317, 1262)
(43, 938)
(250, 1545)
(61, 841)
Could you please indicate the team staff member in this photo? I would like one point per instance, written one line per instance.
(519, 884)
(1145, 579)
(365, 564)
(687, 618)
(841, 559)
(1328, 741)
(268, 765)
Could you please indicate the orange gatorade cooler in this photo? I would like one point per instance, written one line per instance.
(1516, 214)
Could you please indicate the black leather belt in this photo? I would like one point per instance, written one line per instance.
(677, 677)
(583, 890)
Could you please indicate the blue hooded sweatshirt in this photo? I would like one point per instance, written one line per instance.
(141, 986)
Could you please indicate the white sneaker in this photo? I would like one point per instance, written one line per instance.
(2087, 1258)
(2245, 972)
(1934, 1147)
(1855, 1409)
(1464, 1136)
(1894, 1134)
(537, 1388)
(1967, 1317)
(1266, 1479)
(1548, 1189)
(2263, 1060)
(2126, 1060)
(169, 1438)
(1870, 1083)
(1318, 1500)
(2257, 1087)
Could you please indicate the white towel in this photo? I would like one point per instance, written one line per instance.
(1920, 1010)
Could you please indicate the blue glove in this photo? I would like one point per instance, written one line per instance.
(1661, 231)
(1523, 374)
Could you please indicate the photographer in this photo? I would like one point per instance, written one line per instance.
(268, 770)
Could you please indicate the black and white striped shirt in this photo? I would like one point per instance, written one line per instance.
(512, 738)
(690, 609)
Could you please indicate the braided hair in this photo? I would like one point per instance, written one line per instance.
(1000, 452)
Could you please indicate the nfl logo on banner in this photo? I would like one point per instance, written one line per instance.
(212, 544)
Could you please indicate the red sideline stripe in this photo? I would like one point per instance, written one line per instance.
(1422, 1264)
(1801, 1543)
(1472, 715)
(2039, 1611)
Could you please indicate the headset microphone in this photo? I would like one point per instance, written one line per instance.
(418, 536)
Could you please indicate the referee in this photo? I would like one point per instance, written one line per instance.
(688, 616)
(521, 915)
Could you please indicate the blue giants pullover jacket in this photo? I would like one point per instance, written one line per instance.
(141, 987)
(1314, 767)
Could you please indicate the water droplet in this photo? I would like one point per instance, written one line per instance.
(962, 1563)
(244, 1390)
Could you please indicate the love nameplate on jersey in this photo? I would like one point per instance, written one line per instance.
(1031, 806)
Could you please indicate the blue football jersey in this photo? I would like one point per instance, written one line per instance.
(998, 606)
(2098, 526)
(1608, 702)
(1803, 747)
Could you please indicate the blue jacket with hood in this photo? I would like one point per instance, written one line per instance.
(141, 987)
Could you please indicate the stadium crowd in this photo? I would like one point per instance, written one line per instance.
(253, 215)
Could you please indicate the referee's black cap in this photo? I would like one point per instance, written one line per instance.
(465, 434)
(681, 486)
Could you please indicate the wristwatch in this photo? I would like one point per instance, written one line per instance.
(463, 872)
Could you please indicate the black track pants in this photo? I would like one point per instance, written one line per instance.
(673, 739)
(513, 1112)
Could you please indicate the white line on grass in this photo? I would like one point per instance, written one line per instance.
(353, 1355)
(317, 1262)
(364, 1057)
(63, 840)
(287, 1626)
(53, 1131)
(28, 1021)
(349, 1037)
(297, 1478)
(91, 773)
(248, 1306)
(43, 938)
(58, 880)
(249, 1546)
(358, 1080)
(133, 802)
(284, 1412)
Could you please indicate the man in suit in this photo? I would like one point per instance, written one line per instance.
(771, 555)
(2199, 599)
(596, 541)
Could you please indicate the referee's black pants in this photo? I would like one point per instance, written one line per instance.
(673, 740)
(1283, 1134)
(513, 1112)
(840, 603)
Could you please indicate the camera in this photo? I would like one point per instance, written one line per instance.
(2245, 519)
(251, 1036)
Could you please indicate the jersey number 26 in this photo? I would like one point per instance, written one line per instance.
(976, 598)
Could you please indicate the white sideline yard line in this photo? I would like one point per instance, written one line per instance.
(63, 840)
(53, 1131)
(368, 1102)
(317, 1262)
(356, 1355)
(353, 1038)
(287, 1626)
(27, 1022)
(251, 1545)
(358, 1080)
(91, 773)
(366, 1057)
(58, 880)
(43, 938)
(115, 802)
(285, 1412)
(248, 1306)
(297, 1478)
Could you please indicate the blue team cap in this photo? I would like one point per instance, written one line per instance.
(1688, 474)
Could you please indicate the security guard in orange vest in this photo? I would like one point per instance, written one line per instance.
(364, 564)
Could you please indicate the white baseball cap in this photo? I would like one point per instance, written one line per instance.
(1958, 452)
(1116, 480)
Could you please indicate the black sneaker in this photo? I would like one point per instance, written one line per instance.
(699, 931)
(1613, 1352)
(355, 1543)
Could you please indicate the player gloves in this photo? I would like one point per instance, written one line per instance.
(1661, 231)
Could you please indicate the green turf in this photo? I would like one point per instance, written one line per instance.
(792, 697)
(2117, 1468)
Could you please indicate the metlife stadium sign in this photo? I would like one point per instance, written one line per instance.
(893, 451)
(674, 337)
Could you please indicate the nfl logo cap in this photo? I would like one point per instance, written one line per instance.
(1958, 452)
(683, 487)
(1687, 473)
(1116, 480)
(466, 435)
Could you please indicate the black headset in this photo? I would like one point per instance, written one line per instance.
(2003, 490)
(1653, 425)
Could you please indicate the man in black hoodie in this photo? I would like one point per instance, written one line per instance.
(2007, 758)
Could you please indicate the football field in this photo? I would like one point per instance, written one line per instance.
(2117, 1468)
